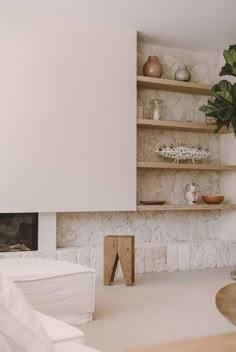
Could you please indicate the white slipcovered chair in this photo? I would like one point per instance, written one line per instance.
(60, 289)
(24, 330)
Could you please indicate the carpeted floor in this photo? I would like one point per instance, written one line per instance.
(160, 307)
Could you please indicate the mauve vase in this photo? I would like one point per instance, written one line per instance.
(152, 68)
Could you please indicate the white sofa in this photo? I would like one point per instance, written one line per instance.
(63, 290)
(65, 338)
(58, 331)
(24, 330)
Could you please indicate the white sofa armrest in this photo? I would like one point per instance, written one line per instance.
(59, 331)
(72, 347)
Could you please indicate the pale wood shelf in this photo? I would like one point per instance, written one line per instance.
(183, 207)
(174, 86)
(174, 166)
(179, 126)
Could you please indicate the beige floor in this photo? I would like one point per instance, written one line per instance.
(160, 307)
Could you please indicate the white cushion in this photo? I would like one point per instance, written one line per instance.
(59, 331)
(4, 347)
(27, 269)
(19, 323)
(72, 347)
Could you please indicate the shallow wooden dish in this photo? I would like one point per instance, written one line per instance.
(152, 202)
(213, 199)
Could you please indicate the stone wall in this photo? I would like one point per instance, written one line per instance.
(164, 240)
(186, 255)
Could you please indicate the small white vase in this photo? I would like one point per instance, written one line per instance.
(182, 74)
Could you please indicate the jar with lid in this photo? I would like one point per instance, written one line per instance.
(155, 112)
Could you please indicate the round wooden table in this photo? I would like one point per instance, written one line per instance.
(226, 302)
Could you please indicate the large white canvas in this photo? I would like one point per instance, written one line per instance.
(67, 114)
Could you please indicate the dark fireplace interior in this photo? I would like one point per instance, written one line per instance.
(18, 232)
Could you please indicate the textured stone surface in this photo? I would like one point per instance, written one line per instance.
(172, 257)
(201, 65)
(139, 260)
(83, 256)
(33, 254)
(223, 254)
(67, 255)
(49, 255)
(148, 259)
(149, 140)
(197, 256)
(176, 256)
(149, 227)
(210, 255)
(160, 258)
(12, 255)
(233, 253)
(96, 259)
(184, 256)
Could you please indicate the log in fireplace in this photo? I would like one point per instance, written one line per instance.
(18, 232)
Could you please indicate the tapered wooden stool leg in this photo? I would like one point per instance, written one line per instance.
(133, 260)
(110, 258)
(126, 256)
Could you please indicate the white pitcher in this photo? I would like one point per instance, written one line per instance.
(192, 193)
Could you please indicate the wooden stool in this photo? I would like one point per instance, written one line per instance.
(118, 247)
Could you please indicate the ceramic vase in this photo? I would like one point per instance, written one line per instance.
(152, 68)
(191, 193)
(182, 74)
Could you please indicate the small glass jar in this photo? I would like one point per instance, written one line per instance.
(155, 111)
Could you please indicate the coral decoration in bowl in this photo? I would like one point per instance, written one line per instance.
(183, 153)
(213, 199)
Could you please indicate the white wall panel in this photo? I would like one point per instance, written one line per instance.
(67, 114)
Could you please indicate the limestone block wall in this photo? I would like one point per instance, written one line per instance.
(164, 240)
(163, 257)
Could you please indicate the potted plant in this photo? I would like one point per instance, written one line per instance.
(222, 106)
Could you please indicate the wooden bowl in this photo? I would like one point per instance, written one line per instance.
(213, 199)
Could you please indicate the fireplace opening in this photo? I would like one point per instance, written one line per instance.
(18, 232)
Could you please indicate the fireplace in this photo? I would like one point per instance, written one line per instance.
(18, 232)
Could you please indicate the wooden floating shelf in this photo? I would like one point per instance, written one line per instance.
(175, 166)
(174, 86)
(179, 126)
(183, 207)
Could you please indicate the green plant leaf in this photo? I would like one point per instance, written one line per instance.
(220, 123)
(216, 108)
(234, 94)
(223, 91)
(228, 70)
(233, 123)
(230, 56)
(232, 47)
(230, 65)
(222, 106)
